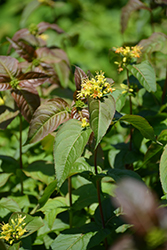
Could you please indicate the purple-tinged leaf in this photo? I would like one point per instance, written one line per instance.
(6, 116)
(32, 79)
(79, 74)
(61, 54)
(27, 100)
(44, 26)
(49, 70)
(47, 118)
(47, 55)
(127, 10)
(142, 215)
(156, 42)
(23, 49)
(9, 67)
(25, 35)
(79, 114)
(4, 83)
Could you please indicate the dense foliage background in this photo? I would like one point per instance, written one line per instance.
(78, 172)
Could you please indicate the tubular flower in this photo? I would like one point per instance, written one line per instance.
(127, 54)
(95, 87)
(13, 231)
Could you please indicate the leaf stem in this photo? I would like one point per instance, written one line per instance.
(20, 149)
(98, 195)
(70, 201)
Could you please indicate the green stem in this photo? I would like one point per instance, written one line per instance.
(165, 88)
(130, 110)
(130, 166)
(70, 201)
(99, 198)
(20, 149)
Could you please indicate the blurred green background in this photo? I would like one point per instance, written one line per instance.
(91, 28)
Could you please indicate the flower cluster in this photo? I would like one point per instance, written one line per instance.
(84, 123)
(127, 54)
(95, 87)
(14, 230)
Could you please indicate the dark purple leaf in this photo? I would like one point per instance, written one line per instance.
(44, 26)
(127, 10)
(25, 35)
(138, 204)
(4, 83)
(32, 79)
(27, 100)
(9, 67)
(47, 118)
(6, 116)
(79, 74)
(80, 114)
(49, 70)
(23, 49)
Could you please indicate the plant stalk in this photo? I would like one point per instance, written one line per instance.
(20, 149)
(70, 201)
(130, 111)
(98, 195)
(165, 87)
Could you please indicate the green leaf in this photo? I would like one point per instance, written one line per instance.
(6, 116)
(145, 74)
(4, 178)
(47, 193)
(101, 115)
(15, 246)
(80, 165)
(118, 174)
(141, 124)
(2, 245)
(153, 150)
(47, 118)
(40, 170)
(70, 142)
(87, 194)
(74, 239)
(32, 223)
(9, 204)
(163, 170)
(57, 204)
(120, 98)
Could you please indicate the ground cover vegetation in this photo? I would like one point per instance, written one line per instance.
(83, 125)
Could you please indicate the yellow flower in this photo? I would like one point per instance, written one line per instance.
(95, 87)
(84, 123)
(127, 54)
(126, 89)
(13, 231)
